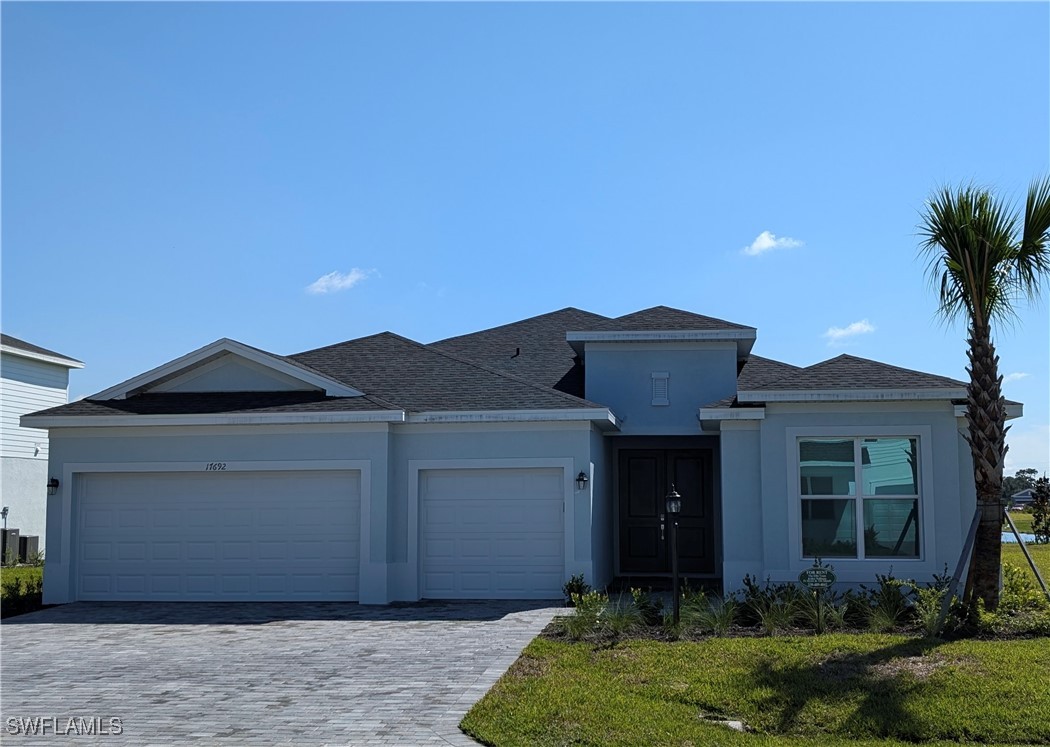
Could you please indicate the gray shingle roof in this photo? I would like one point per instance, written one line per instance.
(215, 403)
(14, 342)
(758, 370)
(850, 372)
(666, 319)
(420, 378)
(534, 348)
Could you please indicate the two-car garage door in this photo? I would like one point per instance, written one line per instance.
(295, 535)
(235, 536)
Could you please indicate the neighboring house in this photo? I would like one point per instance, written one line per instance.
(499, 463)
(1022, 498)
(31, 378)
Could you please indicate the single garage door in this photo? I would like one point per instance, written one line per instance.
(492, 533)
(226, 536)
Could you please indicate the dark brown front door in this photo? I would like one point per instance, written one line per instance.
(646, 477)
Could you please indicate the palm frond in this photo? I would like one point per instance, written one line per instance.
(1032, 265)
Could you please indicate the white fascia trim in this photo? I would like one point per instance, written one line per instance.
(330, 386)
(726, 413)
(262, 418)
(1012, 411)
(64, 362)
(662, 335)
(602, 416)
(849, 395)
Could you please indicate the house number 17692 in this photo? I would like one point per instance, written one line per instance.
(214, 466)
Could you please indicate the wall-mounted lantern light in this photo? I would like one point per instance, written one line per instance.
(581, 481)
(52, 486)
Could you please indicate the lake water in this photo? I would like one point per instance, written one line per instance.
(1028, 538)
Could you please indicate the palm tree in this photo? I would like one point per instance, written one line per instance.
(983, 257)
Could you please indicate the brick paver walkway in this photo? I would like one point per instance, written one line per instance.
(260, 674)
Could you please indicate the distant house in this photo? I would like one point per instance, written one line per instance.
(31, 377)
(1022, 498)
(499, 463)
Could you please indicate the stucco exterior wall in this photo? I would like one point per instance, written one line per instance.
(389, 568)
(97, 448)
(944, 498)
(743, 518)
(619, 375)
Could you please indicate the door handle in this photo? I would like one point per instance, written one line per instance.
(661, 527)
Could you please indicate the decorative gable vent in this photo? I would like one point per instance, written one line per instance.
(661, 388)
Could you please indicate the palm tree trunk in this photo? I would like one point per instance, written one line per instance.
(986, 417)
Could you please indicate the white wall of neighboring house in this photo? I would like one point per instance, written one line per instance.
(27, 384)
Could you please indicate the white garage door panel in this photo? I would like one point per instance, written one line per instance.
(232, 536)
(492, 534)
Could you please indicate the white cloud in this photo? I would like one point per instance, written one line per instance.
(1015, 377)
(338, 281)
(767, 241)
(837, 335)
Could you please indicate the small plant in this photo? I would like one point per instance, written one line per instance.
(35, 559)
(587, 617)
(650, 609)
(828, 608)
(573, 587)
(715, 616)
(622, 617)
(889, 603)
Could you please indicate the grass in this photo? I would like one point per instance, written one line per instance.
(1040, 554)
(834, 689)
(1022, 520)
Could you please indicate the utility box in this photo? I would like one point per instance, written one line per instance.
(9, 546)
(28, 546)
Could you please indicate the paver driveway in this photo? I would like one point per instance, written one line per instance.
(260, 674)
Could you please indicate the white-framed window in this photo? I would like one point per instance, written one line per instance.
(859, 497)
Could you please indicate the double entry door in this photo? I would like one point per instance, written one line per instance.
(646, 477)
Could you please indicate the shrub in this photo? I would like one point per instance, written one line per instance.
(586, 618)
(21, 591)
(1041, 511)
(621, 617)
(832, 608)
(574, 586)
(650, 609)
(709, 616)
(888, 603)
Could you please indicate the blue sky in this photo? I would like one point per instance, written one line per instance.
(176, 173)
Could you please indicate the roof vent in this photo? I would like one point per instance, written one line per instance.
(661, 387)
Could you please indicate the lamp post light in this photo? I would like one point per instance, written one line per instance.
(674, 507)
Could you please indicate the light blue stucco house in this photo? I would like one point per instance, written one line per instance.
(497, 464)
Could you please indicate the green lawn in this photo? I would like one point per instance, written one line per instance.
(1022, 520)
(836, 689)
(1040, 554)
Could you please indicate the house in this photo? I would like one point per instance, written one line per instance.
(497, 464)
(1022, 499)
(31, 377)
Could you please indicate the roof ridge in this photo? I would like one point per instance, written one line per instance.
(888, 365)
(497, 372)
(519, 321)
(847, 356)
